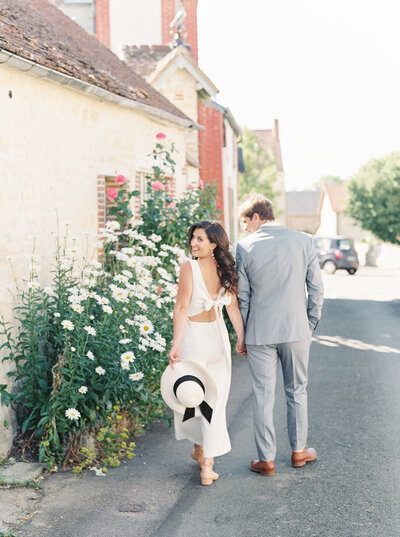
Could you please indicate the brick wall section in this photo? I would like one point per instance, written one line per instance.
(210, 148)
(168, 11)
(102, 8)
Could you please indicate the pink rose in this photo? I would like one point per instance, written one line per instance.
(191, 187)
(161, 136)
(201, 183)
(112, 193)
(157, 185)
(168, 188)
(120, 179)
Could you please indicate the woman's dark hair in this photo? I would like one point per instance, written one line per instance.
(225, 261)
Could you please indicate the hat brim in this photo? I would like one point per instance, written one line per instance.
(170, 376)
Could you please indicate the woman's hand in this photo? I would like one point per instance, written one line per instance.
(173, 356)
(241, 347)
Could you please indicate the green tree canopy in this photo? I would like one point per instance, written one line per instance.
(318, 185)
(375, 197)
(261, 169)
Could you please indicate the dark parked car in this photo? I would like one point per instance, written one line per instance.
(336, 253)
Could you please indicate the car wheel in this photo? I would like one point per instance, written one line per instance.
(351, 270)
(329, 267)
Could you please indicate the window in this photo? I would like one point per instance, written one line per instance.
(345, 244)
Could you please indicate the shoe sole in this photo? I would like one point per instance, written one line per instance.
(302, 463)
(272, 472)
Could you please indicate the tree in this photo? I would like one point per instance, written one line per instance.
(261, 169)
(375, 197)
(318, 185)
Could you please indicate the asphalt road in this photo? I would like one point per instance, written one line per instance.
(352, 490)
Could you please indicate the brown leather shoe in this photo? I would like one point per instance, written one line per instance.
(299, 458)
(263, 467)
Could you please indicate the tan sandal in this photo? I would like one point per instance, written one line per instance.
(197, 455)
(207, 475)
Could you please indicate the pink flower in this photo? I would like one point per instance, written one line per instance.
(201, 183)
(161, 136)
(191, 187)
(112, 193)
(168, 188)
(173, 205)
(219, 207)
(120, 179)
(157, 185)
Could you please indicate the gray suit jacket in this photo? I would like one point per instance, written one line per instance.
(276, 265)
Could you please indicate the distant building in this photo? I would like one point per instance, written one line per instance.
(269, 140)
(304, 210)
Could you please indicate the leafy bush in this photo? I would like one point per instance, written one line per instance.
(93, 341)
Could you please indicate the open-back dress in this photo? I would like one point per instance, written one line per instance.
(207, 344)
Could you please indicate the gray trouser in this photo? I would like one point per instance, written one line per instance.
(263, 361)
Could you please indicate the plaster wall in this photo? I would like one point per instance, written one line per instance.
(328, 224)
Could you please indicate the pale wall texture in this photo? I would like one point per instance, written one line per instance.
(181, 90)
(54, 142)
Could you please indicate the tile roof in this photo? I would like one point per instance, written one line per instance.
(144, 58)
(303, 203)
(337, 194)
(37, 31)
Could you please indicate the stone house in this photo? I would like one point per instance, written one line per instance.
(72, 115)
(158, 39)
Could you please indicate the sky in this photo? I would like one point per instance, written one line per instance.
(328, 70)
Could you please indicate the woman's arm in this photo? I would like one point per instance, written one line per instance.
(181, 309)
(237, 322)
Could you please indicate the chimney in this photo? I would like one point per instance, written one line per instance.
(102, 17)
(276, 129)
(168, 12)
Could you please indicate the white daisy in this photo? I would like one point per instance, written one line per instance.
(72, 414)
(90, 330)
(100, 371)
(146, 328)
(33, 285)
(128, 356)
(48, 291)
(124, 341)
(73, 349)
(136, 376)
(77, 307)
(57, 314)
(82, 389)
(90, 355)
(124, 364)
(68, 325)
(107, 309)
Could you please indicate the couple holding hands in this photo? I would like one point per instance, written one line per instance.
(273, 295)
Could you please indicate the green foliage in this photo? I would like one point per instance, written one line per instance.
(93, 340)
(168, 215)
(261, 169)
(88, 351)
(375, 197)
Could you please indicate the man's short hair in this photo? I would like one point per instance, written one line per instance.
(257, 203)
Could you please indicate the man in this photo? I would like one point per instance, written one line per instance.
(275, 266)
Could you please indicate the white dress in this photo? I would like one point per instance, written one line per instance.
(208, 345)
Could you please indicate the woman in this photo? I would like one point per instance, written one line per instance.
(206, 284)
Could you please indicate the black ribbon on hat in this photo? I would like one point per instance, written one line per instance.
(205, 408)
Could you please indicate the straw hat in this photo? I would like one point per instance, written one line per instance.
(189, 390)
